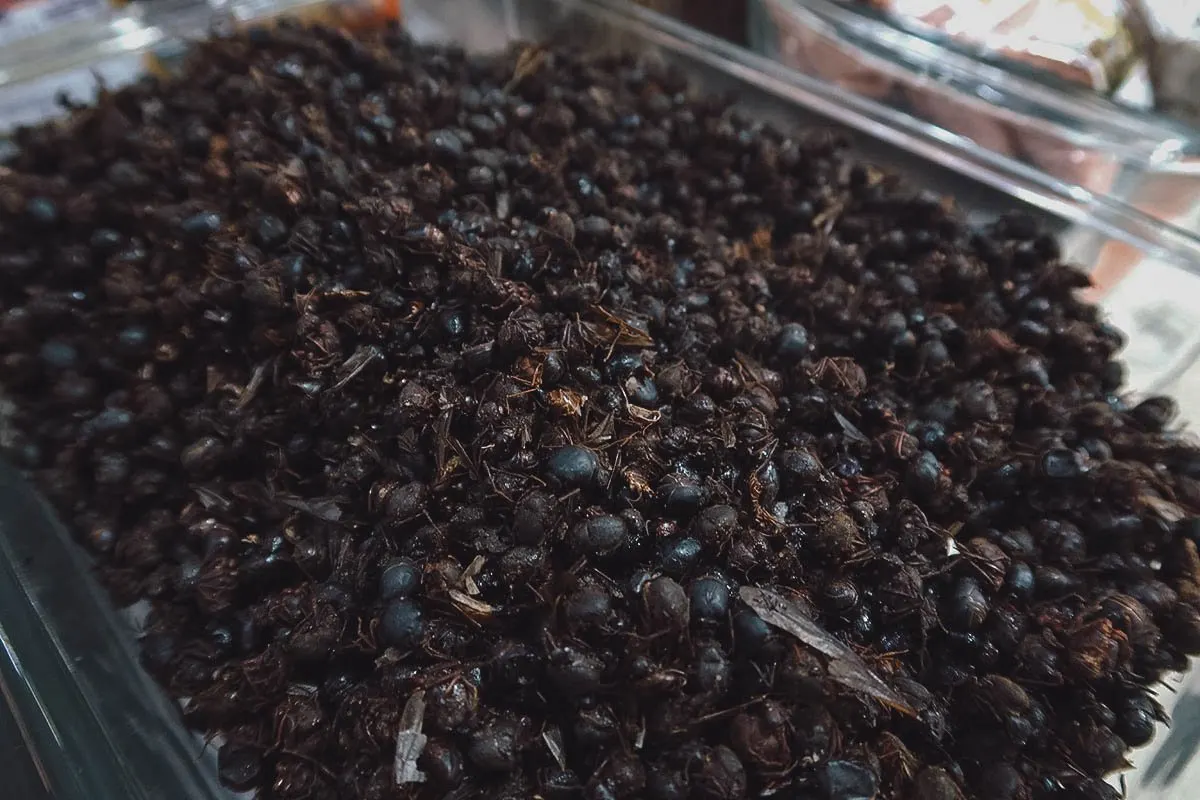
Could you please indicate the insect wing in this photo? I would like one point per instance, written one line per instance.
(844, 666)
(785, 614)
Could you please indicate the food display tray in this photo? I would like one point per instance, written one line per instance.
(96, 723)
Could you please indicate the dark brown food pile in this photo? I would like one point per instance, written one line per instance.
(580, 438)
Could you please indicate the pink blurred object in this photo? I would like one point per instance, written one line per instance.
(814, 53)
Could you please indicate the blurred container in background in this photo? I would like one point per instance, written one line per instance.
(1014, 108)
(955, 73)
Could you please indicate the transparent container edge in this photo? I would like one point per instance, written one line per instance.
(1088, 119)
(90, 756)
(137, 31)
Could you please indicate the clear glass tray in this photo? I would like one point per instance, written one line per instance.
(1147, 160)
(98, 725)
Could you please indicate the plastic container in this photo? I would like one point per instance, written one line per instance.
(22, 19)
(116, 45)
(1074, 134)
(98, 725)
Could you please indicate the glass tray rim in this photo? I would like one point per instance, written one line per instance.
(1087, 118)
(137, 29)
(85, 745)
